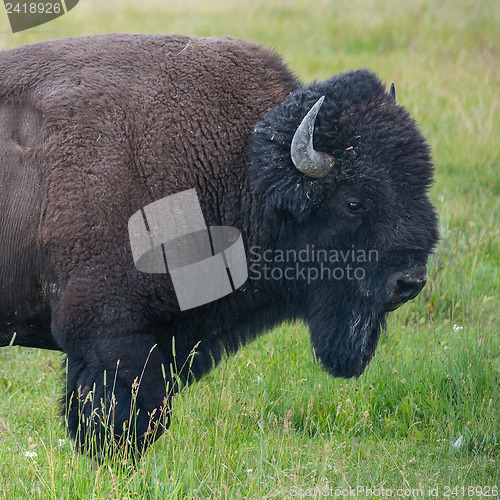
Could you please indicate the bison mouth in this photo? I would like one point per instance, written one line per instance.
(392, 306)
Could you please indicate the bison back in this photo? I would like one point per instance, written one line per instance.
(94, 128)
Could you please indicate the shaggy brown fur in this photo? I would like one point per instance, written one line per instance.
(94, 128)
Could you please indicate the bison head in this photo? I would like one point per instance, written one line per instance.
(340, 168)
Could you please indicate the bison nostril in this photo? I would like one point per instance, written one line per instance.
(409, 288)
(404, 286)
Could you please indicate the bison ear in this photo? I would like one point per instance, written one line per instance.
(392, 91)
(285, 171)
(283, 191)
(297, 201)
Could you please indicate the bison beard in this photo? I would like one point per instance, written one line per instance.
(344, 338)
(95, 128)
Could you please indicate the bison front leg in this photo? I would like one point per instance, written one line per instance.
(122, 407)
(119, 382)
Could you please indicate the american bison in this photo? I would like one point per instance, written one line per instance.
(94, 128)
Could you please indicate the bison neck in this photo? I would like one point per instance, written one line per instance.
(265, 300)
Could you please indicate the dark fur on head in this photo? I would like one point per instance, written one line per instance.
(382, 160)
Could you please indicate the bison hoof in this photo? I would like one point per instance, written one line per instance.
(104, 415)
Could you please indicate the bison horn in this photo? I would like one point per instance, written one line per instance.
(392, 91)
(305, 158)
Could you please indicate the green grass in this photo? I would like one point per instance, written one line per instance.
(426, 412)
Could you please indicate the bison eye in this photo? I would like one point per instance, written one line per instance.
(354, 207)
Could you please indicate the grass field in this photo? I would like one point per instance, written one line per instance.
(268, 422)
